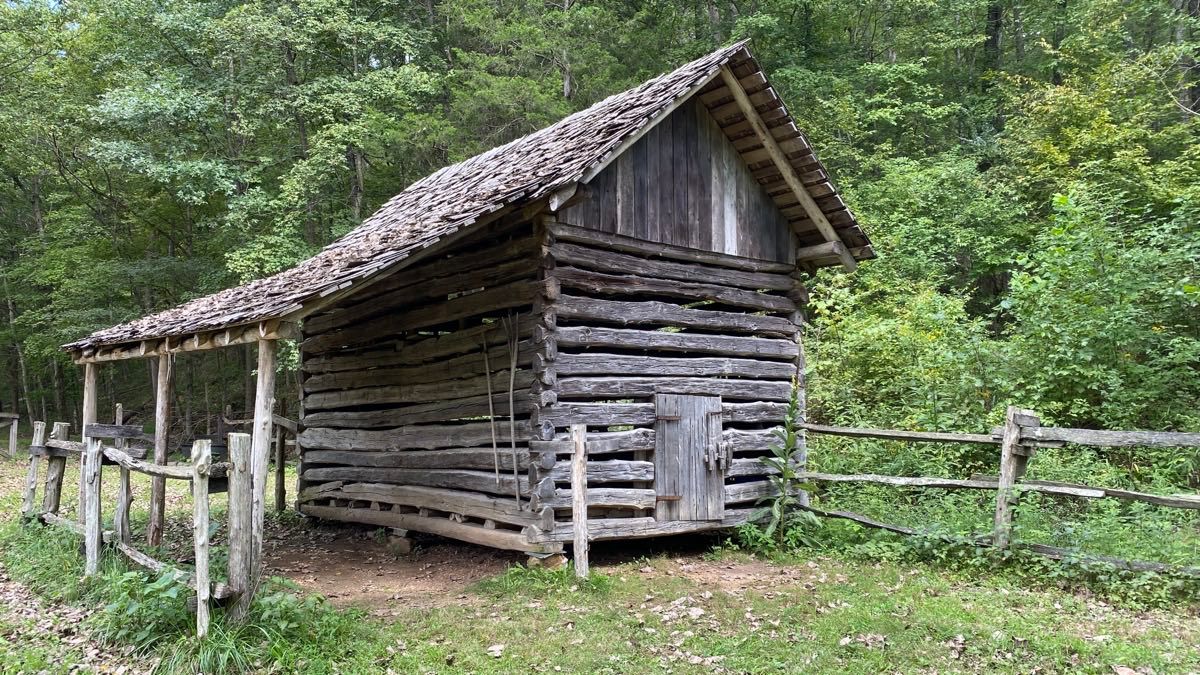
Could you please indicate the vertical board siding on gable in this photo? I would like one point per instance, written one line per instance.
(684, 183)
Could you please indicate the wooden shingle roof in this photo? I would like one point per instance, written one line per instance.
(526, 170)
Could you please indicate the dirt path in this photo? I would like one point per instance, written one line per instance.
(35, 626)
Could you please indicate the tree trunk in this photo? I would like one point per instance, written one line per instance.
(21, 370)
(992, 32)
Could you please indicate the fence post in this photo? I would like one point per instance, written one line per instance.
(201, 462)
(280, 455)
(124, 494)
(579, 498)
(56, 467)
(90, 501)
(1014, 458)
(12, 437)
(89, 417)
(239, 517)
(39, 440)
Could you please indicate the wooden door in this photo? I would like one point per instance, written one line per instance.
(689, 465)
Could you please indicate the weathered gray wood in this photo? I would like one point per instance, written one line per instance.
(598, 363)
(688, 473)
(447, 410)
(280, 470)
(113, 431)
(201, 460)
(1013, 460)
(260, 452)
(441, 371)
(239, 513)
(163, 471)
(626, 338)
(469, 532)
(121, 528)
(633, 386)
(1112, 439)
(90, 507)
(13, 426)
(747, 440)
(1120, 563)
(427, 437)
(39, 438)
(446, 458)
(860, 519)
(598, 443)
(456, 479)
(1090, 492)
(640, 414)
(579, 498)
(73, 447)
(89, 417)
(162, 430)
(473, 504)
(414, 393)
(600, 529)
(617, 242)
(55, 468)
(607, 470)
(631, 498)
(425, 348)
(895, 435)
(628, 284)
(658, 313)
(603, 260)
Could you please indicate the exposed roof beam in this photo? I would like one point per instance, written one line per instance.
(273, 329)
(829, 249)
(785, 167)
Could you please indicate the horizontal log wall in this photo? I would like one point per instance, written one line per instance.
(406, 416)
(631, 319)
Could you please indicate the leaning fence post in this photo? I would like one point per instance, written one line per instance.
(239, 517)
(12, 437)
(37, 444)
(56, 467)
(91, 506)
(124, 494)
(201, 462)
(579, 498)
(1014, 457)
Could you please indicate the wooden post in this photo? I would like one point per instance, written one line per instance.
(124, 494)
(799, 295)
(89, 417)
(239, 514)
(280, 466)
(12, 437)
(39, 439)
(579, 498)
(1013, 459)
(162, 428)
(55, 468)
(260, 453)
(91, 506)
(201, 461)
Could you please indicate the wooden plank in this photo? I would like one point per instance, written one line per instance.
(607, 470)
(688, 478)
(1013, 461)
(629, 284)
(239, 514)
(74, 447)
(162, 429)
(1113, 439)
(781, 160)
(447, 410)
(599, 363)
(658, 313)
(31, 474)
(447, 458)
(579, 499)
(415, 393)
(422, 350)
(894, 435)
(201, 461)
(55, 468)
(602, 260)
(580, 235)
(455, 479)
(1090, 492)
(630, 498)
(90, 507)
(378, 372)
(635, 386)
(124, 431)
(640, 414)
(426, 437)
(473, 504)
(600, 529)
(600, 442)
(89, 417)
(469, 532)
(626, 338)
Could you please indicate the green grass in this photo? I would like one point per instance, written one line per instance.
(846, 610)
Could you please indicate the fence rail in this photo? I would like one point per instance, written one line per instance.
(1019, 438)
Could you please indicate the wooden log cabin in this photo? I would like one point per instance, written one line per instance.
(633, 268)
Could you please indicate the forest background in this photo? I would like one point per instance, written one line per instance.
(1029, 171)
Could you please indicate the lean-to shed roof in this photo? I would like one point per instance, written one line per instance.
(525, 170)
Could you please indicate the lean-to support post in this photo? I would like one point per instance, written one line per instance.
(162, 429)
(89, 417)
(201, 461)
(239, 512)
(260, 455)
(579, 498)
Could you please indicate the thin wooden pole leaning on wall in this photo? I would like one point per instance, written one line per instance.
(1014, 458)
(579, 498)
(90, 501)
(124, 493)
(799, 295)
(280, 466)
(55, 468)
(201, 462)
(162, 429)
(39, 440)
(89, 417)
(239, 516)
(260, 454)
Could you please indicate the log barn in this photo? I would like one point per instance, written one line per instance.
(626, 281)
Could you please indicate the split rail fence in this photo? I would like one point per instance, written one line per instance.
(108, 445)
(1019, 439)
